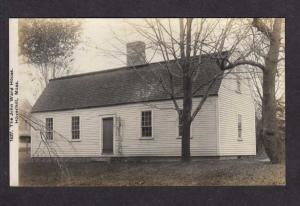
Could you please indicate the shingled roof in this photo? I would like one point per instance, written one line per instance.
(120, 86)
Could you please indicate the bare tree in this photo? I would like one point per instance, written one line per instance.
(260, 44)
(271, 139)
(48, 45)
(46, 148)
(182, 45)
(233, 45)
(272, 30)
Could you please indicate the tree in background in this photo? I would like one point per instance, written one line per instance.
(48, 45)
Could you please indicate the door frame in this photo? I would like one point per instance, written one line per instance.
(113, 116)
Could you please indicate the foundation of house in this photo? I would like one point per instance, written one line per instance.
(143, 159)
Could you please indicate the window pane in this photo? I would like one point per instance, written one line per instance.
(150, 131)
(146, 131)
(75, 127)
(180, 123)
(49, 128)
(146, 118)
(75, 134)
(49, 135)
(146, 124)
(239, 126)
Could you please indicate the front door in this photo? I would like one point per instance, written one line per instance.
(107, 135)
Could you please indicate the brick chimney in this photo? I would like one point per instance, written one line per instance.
(136, 54)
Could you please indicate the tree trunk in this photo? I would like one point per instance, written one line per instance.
(187, 88)
(272, 141)
(186, 116)
(269, 125)
(260, 149)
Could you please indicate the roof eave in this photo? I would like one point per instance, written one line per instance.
(109, 105)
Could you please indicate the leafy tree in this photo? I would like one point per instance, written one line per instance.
(48, 45)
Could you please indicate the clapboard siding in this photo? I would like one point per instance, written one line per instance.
(128, 140)
(230, 104)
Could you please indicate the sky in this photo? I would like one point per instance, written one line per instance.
(102, 40)
(105, 34)
(89, 56)
(98, 35)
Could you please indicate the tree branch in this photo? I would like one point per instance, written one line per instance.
(257, 23)
(203, 99)
(242, 62)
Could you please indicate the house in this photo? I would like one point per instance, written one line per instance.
(125, 112)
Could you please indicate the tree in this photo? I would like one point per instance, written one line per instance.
(182, 43)
(280, 114)
(44, 146)
(191, 38)
(271, 139)
(48, 45)
(271, 29)
(260, 45)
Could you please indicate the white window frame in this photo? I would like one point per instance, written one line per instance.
(240, 127)
(79, 129)
(141, 130)
(49, 131)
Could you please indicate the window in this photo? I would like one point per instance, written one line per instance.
(49, 128)
(146, 124)
(180, 129)
(238, 84)
(240, 127)
(75, 128)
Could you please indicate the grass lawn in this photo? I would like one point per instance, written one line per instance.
(194, 173)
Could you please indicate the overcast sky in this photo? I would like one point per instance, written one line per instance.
(97, 35)
(106, 34)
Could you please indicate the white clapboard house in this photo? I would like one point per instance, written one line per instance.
(125, 112)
